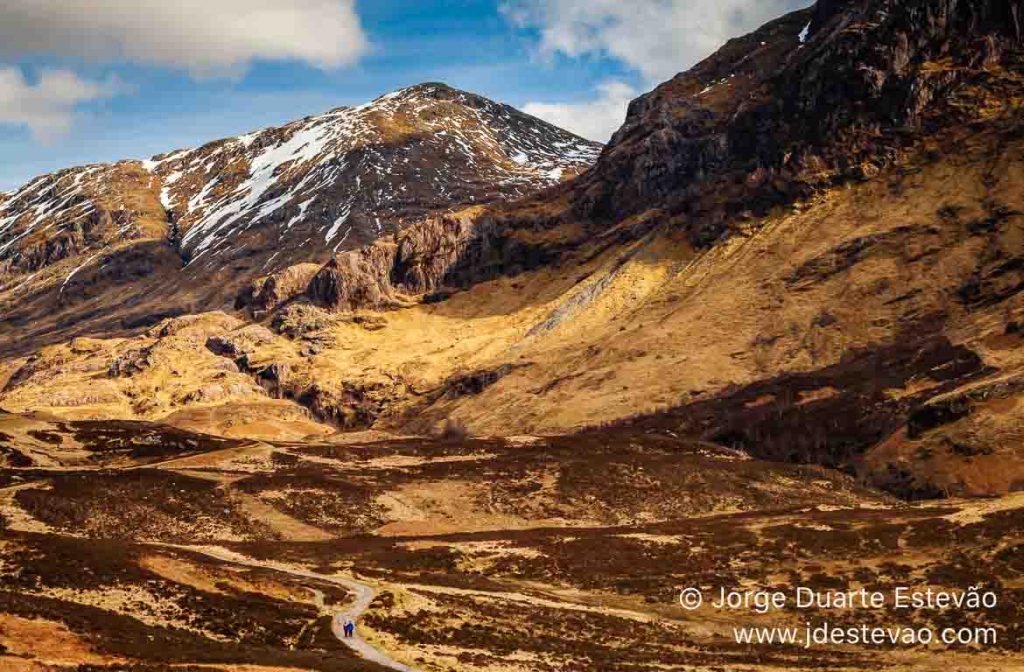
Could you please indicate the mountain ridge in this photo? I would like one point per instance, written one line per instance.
(242, 205)
(521, 161)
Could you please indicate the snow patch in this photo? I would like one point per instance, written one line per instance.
(805, 33)
(338, 223)
(76, 270)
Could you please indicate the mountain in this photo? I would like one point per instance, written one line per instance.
(806, 247)
(820, 97)
(830, 95)
(206, 220)
(346, 178)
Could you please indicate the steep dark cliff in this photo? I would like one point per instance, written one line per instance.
(827, 94)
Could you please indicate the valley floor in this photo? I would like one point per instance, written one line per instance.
(136, 549)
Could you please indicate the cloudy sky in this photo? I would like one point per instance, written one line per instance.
(98, 80)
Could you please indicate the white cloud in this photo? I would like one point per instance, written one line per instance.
(596, 119)
(206, 37)
(657, 38)
(47, 107)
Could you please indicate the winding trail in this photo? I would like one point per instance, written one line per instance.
(364, 595)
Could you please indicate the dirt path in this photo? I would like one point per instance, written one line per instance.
(18, 519)
(363, 597)
(201, 458)
(387, 462)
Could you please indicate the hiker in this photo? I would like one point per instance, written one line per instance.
(350, 628)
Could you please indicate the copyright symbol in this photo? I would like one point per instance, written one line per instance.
(691, 598)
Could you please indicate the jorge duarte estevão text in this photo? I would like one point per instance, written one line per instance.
(901, 599)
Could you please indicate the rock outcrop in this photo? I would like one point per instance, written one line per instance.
(427, 261)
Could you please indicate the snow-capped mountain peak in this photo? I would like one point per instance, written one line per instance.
(297, 192)
(349, 175)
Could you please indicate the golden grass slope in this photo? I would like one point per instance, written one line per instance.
(648, 326)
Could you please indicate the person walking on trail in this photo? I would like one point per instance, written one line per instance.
(350, 628)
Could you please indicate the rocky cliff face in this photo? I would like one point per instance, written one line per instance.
(426, 262)
(832, 93)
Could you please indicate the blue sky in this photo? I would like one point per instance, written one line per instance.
(109, 83)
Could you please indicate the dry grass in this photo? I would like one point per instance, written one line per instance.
(43, 642)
